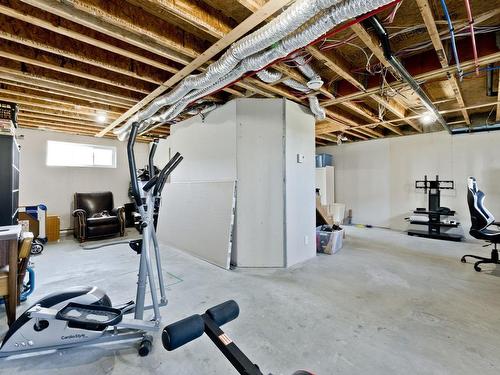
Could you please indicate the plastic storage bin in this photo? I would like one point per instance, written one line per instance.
(324, 160)
(328, 241)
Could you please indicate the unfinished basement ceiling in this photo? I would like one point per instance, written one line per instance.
(81, 66)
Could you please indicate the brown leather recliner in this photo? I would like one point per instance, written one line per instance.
(95, 216)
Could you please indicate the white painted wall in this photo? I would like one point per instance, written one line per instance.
(55, 186)
(376, 178)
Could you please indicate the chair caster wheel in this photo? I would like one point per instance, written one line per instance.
(478, 269)
(145, 346)
(463, 260)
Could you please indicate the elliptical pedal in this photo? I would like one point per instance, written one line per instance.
(91, 317)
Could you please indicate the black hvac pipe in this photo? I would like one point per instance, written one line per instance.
(396, 64)
(489, 81)
(477, 129)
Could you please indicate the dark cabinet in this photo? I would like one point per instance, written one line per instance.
(9, 180)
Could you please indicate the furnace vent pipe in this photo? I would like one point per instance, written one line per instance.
(396, 64)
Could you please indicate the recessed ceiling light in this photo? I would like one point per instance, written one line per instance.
(101, 118)
(427, 118)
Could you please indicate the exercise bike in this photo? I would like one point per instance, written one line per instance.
(85, 315)
(188, 329)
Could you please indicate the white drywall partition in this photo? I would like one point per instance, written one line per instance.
(245, 141)
(300, 185)
(197, 217)
(260, 237)
(377, 178)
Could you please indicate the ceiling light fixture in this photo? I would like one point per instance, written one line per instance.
(101, 118)
(427, 118)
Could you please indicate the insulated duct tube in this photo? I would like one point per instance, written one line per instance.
(328, 20)
(269, 76)
(315, 81)
(292, 18)
(396, 64)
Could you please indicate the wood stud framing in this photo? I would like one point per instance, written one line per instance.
(66, 61)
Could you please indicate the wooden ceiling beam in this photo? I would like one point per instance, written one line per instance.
(427, 76)
(251, 22)
(367, 114)
(83, 34)
(373, 45)
(66, 83)
(337, 64)
(15, 81)
(124, 22)
(371, 42)
(23, 99)
(30, 56)
(430, 23)
(252, 5)
(35, 37)
(202, 19)
(28, 93)
(398, 110)
(49, 116)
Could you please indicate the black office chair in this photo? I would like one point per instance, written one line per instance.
(481, 220)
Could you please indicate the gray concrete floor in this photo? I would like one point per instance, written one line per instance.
(386, 304)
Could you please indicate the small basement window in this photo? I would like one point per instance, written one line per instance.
(69, 154)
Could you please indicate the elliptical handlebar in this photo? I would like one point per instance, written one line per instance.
(165, 172)
(152, 152)
(131, 164)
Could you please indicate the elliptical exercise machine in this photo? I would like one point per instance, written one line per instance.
(84, 315)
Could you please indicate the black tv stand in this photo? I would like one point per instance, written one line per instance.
(435, 213)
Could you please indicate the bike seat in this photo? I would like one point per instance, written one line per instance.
(90, 317)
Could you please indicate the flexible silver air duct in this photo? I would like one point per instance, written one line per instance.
(327, 21)
(316, 108)
(269, 76)
(292, 18)
(315, 80)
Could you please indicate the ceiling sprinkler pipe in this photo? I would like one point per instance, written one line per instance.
(396, 64)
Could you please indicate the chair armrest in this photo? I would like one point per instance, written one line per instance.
(80, 224)
(120, 213)
(117, 211)
(80, 213)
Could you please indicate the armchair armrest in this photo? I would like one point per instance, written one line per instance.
(120, 213)
(79, 213)
(80, 224)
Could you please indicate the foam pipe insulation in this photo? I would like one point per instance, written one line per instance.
(272, 35)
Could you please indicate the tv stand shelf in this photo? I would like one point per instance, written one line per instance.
(434, 213)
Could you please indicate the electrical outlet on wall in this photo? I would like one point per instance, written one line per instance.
(306, 240)
(300, 158)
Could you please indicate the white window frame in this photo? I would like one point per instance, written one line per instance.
(94, 147)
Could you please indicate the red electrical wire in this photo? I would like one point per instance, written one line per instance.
(472, 35)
